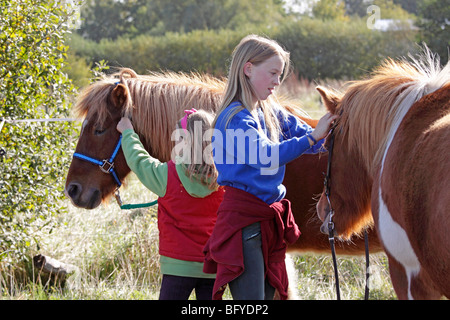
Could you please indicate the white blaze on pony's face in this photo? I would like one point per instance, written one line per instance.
(85, 122)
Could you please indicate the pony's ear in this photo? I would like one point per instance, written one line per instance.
(119, 95)
(330, 99)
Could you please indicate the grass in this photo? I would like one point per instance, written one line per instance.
(316, 277)
(116, 251)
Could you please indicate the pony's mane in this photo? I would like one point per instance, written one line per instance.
(162, 98)
(156, 102)
(374, 106)
(93, 99)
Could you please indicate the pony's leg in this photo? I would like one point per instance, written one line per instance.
(398, 278)
(422, 288)
(293, 278)
(418, 287)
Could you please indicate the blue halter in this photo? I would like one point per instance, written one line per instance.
(106, 165)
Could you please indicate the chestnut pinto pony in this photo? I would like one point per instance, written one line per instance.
(155, 103)
(391, 160)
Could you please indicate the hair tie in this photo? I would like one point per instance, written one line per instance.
(183, 121)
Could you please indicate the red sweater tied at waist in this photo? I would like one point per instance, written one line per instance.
(223, 251)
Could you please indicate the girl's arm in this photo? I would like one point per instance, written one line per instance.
(293, 127)
(242, 143)
(150, 171)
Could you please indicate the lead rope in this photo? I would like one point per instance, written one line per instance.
(333, 253)
(331, 228)
(366, 249)
(132, 206)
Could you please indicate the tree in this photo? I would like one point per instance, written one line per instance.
(110, 19)
(409, 5)
(37, 154)
(434, 26)
(105, 19)
(329, 10)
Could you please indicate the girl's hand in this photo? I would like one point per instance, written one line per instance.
(124, 124)
(323, 127)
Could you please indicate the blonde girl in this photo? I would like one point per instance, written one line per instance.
(254, 137)
(188, 198)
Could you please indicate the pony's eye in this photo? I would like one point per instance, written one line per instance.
(99, 132)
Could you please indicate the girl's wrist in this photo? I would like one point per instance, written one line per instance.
(311, 139)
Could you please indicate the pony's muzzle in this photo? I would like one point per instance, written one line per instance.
(88, 199)
(73, 190)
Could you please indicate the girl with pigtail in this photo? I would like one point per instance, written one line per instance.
(188, 198)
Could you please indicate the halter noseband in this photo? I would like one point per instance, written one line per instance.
(106, 165)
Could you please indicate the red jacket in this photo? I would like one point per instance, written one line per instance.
(185, 222)
(224, 254)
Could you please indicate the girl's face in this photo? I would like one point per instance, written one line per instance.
(265, 76)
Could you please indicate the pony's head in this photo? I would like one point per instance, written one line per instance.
(155, 102)
(102, 104)
(347, 179)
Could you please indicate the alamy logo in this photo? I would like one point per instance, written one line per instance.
(236, 147)
(375, 14)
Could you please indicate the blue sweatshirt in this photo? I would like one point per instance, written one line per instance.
(248, 160)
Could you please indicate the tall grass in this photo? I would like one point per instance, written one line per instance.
(116, 251)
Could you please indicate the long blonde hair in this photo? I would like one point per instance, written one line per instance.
(204, 170)
(254, 49)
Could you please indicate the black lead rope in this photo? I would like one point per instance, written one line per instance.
(331, 214)
(333, 254)
(331, 227)
(366, 247)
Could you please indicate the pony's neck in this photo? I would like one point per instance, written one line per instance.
(375, 108)
(159, 101)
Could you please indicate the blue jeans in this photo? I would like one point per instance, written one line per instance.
(251, 284)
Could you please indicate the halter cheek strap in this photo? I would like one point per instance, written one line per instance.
(183, 121)
(106, 165)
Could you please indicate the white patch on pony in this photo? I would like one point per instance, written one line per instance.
(85, 122)
(394, 237)
(397, 243)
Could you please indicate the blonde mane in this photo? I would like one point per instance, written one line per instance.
(156, 103)
(372, 109)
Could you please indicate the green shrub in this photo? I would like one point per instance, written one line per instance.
(319, 49)
(37, 153)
